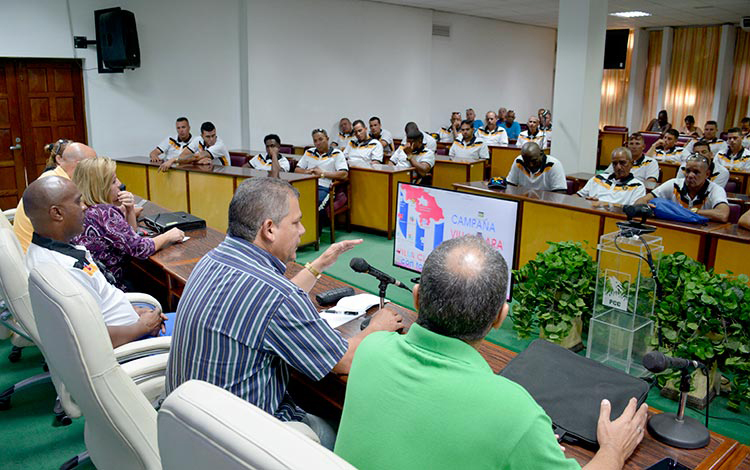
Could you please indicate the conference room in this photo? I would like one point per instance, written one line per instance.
(233, 251)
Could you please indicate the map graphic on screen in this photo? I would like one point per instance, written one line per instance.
(426, 217)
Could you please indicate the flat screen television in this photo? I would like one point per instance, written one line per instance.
(426, 216)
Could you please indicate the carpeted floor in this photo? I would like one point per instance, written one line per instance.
(29, 441)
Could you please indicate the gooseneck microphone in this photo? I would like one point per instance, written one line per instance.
(361, 266)
(656, 362)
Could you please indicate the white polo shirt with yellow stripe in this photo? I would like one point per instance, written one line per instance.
(716, 145)
(710, 195)
(423, 155)
(329, 162)
(737, 162)
(540, 138)
(172, 147)
(364, 153)
(446, 135)
(607, 188)
(495, 137)
(549, 177)
(643, 168)
(475, 148)
(218, 151)
(263, 162)
(342, 140)
(675, 154)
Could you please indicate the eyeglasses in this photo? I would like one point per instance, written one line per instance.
(696, 157)
(59, 146)
(319, 131)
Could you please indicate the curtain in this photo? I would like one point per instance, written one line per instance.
(615, 82)
(651, 85)
(739, 94)
(692, 74)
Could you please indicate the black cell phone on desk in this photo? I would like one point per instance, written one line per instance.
(668, 463)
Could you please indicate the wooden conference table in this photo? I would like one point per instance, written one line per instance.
(174, 264)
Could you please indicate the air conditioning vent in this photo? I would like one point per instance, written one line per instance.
(441, 30)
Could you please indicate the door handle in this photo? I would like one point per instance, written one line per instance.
(16, 147)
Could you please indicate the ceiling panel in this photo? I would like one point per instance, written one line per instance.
(544, 12)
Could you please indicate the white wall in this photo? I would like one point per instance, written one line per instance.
(189, 66)
(488, 64)
(310, 63)
(307, 64)
(35, 28)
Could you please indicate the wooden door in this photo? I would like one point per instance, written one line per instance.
(50, 93)
(12, 179)
(41, 101)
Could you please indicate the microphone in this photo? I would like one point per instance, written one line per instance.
(638, 210)
(361, 266)
(656, 362)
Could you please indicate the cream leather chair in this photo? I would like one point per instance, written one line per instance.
(204, 426)
(20, 318)
(120, 431)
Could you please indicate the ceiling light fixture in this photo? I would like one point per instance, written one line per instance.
(630, 14)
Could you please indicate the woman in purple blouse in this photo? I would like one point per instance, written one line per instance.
(110, 219)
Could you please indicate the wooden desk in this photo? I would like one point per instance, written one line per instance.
(176, 262)
(738, 459)
(729, 249)
(501, 159)
(205, 191)
(374, 195)
(548, 216)
(456, 170)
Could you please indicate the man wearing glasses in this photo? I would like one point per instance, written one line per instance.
(272, 161)
(695, 192)
(716, 173)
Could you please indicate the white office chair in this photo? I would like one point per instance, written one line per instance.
(120, 429)
(204, 426)
(19, 317)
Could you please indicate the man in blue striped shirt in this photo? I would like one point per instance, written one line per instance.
(240, 323)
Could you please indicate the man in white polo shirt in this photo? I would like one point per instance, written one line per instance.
(535, 170)
(345, 134)
(453, 131)
(644, 168)
(172, 147)
(384, 136)
(618, 187)
(363, 150)
(468, 145)
(716, 173)
(272, 161)
(54, 206)
(324, 162)
(666, 148)
(413, 152)
(709, 136)
(208, 150)
(532, 134)
(735, 157)
(491, 133)
(695, 191)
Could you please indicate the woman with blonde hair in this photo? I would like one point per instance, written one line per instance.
(110, 220)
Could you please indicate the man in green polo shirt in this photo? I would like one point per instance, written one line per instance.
(428, 399)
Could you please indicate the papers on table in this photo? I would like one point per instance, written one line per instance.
(349, 308)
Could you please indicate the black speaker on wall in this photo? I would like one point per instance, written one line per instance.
(116, 40)
(616, 48)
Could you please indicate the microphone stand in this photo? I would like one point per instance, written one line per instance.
(382, 288)
(678, 430)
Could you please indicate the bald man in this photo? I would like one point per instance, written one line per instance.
(65, 166)
(618, 187)
(53, 205)
(535, 170)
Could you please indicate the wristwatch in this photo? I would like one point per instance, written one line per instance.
(313, 271)
(694, 209)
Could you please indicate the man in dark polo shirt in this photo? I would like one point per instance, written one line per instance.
(241, 323)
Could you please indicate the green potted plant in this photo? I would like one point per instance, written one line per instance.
(555, 293)
(706, 317)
